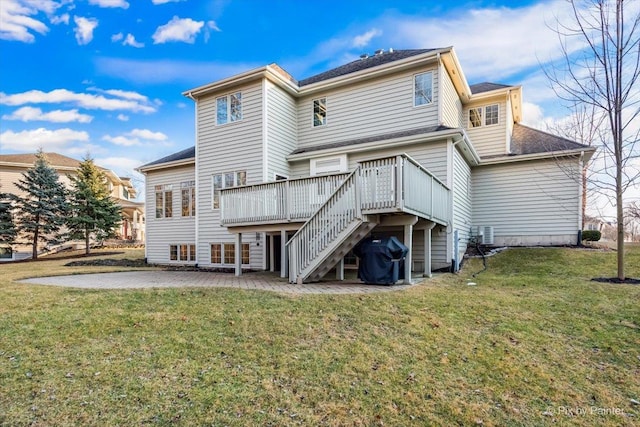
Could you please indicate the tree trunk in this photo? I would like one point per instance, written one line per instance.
(34, 249)
(87, 249)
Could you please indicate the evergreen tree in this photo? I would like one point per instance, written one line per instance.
(41, 211)
(93, 213)
(8, 231)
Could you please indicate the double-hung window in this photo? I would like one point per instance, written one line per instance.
(229, 108)
(188, 190)
(423, 88)
(226, 180)
(164, 201)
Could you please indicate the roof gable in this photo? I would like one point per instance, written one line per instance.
(54, 159)
(526, 140)
(186, 154)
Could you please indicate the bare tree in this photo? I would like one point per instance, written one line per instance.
(603, 73)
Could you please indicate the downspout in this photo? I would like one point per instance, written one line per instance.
(440, 78)
(582, 195)
(189, 95)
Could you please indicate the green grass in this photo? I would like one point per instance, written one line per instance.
(535, 342)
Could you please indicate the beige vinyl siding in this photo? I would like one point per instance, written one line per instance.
(461, 200)
(236, 146)
(528, 203)
(360, 110)
(162, 232)
(488, 140)
(281, 130)
(451, 104)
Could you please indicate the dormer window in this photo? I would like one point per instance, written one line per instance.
(319, 112)
(423, 89)
(484, 116)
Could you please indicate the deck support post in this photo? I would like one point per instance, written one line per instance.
(284, 265)
(272, 253)
(427, 250)
(238, 254)
(408, 242)
(340, 270)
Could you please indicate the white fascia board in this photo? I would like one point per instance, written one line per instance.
(167, 165)
(468, 150)
(247, 76)
(494, 93)
(369, 146)
(587, 152)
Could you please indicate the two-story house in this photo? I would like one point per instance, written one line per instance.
(289, 175)
(13, 166)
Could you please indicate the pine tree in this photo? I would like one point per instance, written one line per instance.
(93, 213)
(8, 231)
(41, 211)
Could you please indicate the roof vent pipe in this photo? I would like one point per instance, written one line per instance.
(364, 56)
(390, 50)
(379, 52)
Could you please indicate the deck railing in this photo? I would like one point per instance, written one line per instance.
(279, 201)
(391, 184)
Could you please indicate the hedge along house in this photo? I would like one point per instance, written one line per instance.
(289, 175)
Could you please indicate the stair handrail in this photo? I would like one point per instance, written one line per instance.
(300, 260)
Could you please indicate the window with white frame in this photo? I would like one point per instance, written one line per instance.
(423, 88)
(164, 201)
(229, 108)
(484, 116)
(226, 180)
(188, 190)
(328, 165)
(225, 253)
(183, 252)
(319, 112)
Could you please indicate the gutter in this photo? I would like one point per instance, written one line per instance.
(368, 146)
(586, 152)
(184, 162)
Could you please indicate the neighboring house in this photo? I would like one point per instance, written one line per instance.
(396, 143)
(12, 166)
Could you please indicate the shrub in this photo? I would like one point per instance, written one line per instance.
(591, 235)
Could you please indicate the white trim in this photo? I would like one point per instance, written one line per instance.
(538, 156)
(265, 132)
(342, 165)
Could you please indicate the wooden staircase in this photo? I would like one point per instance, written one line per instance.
(334, 229)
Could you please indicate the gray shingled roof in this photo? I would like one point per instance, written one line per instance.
(362, 64)
(375, 138)
(526, 140)
(486, 87)
(189, 153)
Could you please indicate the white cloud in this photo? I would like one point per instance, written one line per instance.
(136, 137)
(16, 22)
(30, 114)
(123, 94)
(363, 39)
(147, 134)
(178, 30)
(84, 100)
(164, 71)
(117, 37)
(164, 1)
(123, 118)
(130, 40)
(30, 140)
(84, 29)
(62, 19)
(110, 3)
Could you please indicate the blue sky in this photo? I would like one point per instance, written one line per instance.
(104, 77)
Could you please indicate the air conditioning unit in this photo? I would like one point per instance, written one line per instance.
(485, 234)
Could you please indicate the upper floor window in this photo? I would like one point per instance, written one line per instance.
(125, 193)
(229, 108)
(423, 88)
(226, 180)
(164, 201)
(188, 190)
(319, 112)
(484, 116)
